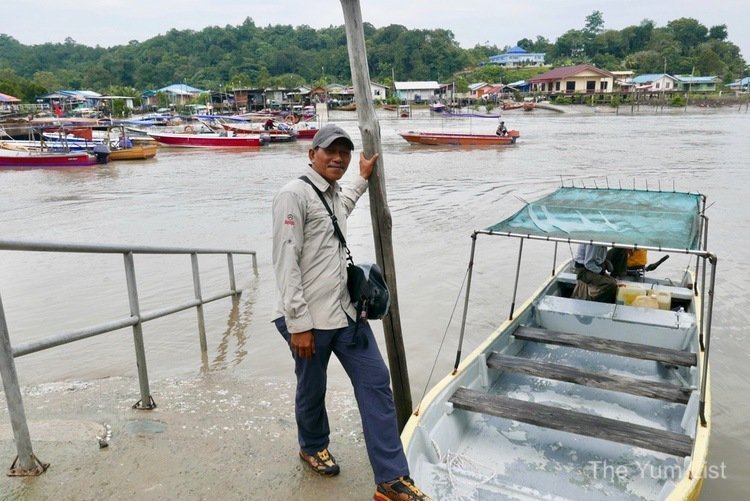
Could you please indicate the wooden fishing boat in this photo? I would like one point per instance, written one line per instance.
(281, 135)
(135, 152)
(575, 399)
(457, 139)
(208, 140)
(456, 114)
(305, 132)
(35, 158)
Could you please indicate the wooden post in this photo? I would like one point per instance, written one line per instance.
(379, 211)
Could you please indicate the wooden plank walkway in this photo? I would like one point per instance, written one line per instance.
(548, 370)
(622, 348)
(570, 421)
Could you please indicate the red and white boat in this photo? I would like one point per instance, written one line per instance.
(31, 159)
(208, 140)
(274, 135)
(453, 139)
(305, 133)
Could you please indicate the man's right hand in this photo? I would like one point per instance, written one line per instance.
(303, 344)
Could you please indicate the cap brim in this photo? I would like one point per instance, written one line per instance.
(328, 142)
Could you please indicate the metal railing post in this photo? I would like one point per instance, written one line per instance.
(230, 263)
(554, 260)
(469, 273)
(25, 464)
(146, 402)
(707, 340)
(515, 285)
(199, 306)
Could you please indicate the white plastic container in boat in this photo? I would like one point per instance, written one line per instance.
(664, 298)
(626, 294)
(646, 302)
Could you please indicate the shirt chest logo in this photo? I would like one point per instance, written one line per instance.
(289, 219)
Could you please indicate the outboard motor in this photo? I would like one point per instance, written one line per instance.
(101, 151)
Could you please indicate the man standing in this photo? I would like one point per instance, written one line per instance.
(316, 317)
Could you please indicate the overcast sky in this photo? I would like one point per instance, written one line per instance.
(496, 22)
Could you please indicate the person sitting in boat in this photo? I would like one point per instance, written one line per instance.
(501, 130)
(593, 281)
(269, 124)
(124, 143)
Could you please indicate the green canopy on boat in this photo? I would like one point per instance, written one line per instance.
(631, 217)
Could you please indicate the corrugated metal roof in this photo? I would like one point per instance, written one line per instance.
(183, 89)
(6, 98)
(696, 80)
(477, 85)
(429, 85)
(650, 77)
(569, 71)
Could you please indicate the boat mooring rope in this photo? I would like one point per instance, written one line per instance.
(442, 341)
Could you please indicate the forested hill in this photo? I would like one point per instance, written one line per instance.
(248, 55)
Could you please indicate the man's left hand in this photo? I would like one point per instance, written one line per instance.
(367, 164)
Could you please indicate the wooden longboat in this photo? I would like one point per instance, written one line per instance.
(135, 152)
(575, 399)
(208, 140)
(35, 158)
(457, 139)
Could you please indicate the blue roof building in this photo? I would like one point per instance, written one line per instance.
(176, 93)
(696, 84)
(516, 57)
(741, 84)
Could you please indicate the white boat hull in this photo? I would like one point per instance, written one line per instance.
(455, 453)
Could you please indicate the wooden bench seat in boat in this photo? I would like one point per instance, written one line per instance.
(667, 329)
(580, 423)
(558, 372)
(623, 348)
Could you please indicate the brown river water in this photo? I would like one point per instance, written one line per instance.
(437, 196)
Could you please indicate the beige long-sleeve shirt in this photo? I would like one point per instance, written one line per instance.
(308, 259)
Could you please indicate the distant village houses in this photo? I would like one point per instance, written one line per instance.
(417, 92)
(662, 82)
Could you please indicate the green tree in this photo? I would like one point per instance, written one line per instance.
(570, 45)
(688, 32)
(718, 32)
(594, 24)
(526, 44)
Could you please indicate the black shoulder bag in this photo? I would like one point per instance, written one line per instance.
(367, 288)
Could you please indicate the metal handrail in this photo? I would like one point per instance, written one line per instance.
(26, 463)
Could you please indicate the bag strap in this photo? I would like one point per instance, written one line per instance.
(336, 228)
(362, 308)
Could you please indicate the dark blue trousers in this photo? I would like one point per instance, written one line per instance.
(371, 381)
